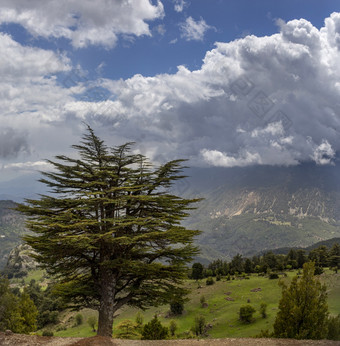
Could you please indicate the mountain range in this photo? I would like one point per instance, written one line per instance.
(250, 209)
(245, 210)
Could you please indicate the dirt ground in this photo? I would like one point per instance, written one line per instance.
(33, 340)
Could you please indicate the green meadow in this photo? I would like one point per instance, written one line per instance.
(223, 299)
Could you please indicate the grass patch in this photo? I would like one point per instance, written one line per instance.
(224, 300)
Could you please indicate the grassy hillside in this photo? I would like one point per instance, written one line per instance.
(224, 300)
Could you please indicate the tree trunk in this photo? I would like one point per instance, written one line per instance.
(106, 309)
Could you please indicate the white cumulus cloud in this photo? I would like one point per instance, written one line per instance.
(83, 22)
(192, 30)
(256, 100)
(256, 97)
(217, 158)
(324, 153)
(179, 5)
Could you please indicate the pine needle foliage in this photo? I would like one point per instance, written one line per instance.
(303, 310)
(110, 231)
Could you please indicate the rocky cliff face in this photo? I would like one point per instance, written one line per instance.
(311, 202)
(247, 210)
(12, 227)
(20, 261)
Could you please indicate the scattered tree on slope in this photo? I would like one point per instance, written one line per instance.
(18, 314)
(303, 310)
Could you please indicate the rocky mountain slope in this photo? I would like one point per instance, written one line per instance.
(19, 261)
(247, 210)
(12, 227)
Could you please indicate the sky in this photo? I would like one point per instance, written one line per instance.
(222, 83)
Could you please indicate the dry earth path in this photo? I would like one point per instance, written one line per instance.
(34, 340)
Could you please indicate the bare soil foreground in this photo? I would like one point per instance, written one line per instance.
(33, 340)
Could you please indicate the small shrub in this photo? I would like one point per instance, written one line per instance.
(188, 334)
(209, 281)
(228, 277)
(126, 330)
(47, 317)
(218, 277)
(199, 325)
(318, 271)
(154, 330)
(333, 328)
(207, 273)
(202, 301)
(177, 307)
(60, 328)
(79, 319)
(264, 334)
(172, 327)
(263, 310)
(273, 276)
(92, 322)
(47, 333)
(139, 319)
(246, 313)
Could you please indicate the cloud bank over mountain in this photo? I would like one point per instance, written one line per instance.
(264, 100)
(255, 100)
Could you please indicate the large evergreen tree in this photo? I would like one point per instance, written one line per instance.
(110, 233)
(303, 310)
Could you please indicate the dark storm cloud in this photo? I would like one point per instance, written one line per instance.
(12, 143)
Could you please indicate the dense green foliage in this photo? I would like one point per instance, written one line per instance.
(139, 319)
(47, 303)
(127, 329)
(172, 327)
(111, 232)
(47, 333)
(92, 322)
(79, 319)
(271, 263)
(177, 306)
(17, 313)
(197, 271)
(263, 310)
(154, 330)
(246, 313)
(303, 310)
(199, 325)
(333, 328)
(209, 281)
